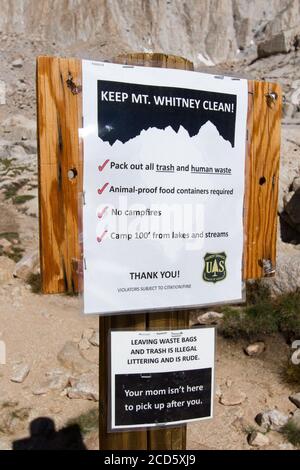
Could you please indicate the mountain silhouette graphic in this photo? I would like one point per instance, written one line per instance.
(125, 120)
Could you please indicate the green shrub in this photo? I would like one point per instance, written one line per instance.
(288, 310)
(257, 292)
(290, 372)
(292, 433)
(251, 322)
(263, 315)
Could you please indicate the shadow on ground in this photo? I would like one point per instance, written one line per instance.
(43, 436)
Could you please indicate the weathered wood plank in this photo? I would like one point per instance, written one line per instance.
(262, 175)
(59, 118)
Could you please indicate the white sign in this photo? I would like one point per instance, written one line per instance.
(161, 377)
(164, 162)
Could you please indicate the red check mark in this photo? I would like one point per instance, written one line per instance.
(101, 213)
(101, 190)
(101, 167)
(99, 239)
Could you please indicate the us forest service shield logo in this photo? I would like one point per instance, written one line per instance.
(214, 267)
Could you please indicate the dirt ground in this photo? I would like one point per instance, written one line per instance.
(35, 328)
(259, 379)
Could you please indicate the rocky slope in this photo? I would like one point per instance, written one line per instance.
(205, 31)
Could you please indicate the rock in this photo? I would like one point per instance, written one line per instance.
(209, 318)
(7, 267)
(295, 420)
(18, 63)
(56, 380)
(12, 417)
(71, 358)
(287, 278)
(20, 372)
(86, 387)
(232, 398)
(20, 126)
(255, 349)
(28, 265)
(95, 339)
(257, 439)
(2, 92)
(271, 419)
(295, 398)
(280, 43)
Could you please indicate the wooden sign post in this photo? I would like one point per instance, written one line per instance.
(59, 103)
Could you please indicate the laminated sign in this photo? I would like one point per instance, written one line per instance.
(161, 377)
(164, 162)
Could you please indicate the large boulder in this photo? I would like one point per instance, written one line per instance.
(71, 358)
(85, 387)
(283, 42)
(271, 419)
(54, 380)
(287, 274)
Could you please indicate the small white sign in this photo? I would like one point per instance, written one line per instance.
(164, 170)
(161, 378)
